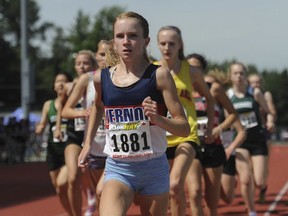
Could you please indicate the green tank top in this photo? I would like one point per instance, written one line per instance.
(55, 144)
(249, 114)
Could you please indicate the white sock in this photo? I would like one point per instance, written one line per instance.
(252, 213)
(91, 198)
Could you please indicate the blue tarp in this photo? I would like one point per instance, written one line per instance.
(19, 115)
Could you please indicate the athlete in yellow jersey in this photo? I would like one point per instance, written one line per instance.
(181, 151)
(184, 91)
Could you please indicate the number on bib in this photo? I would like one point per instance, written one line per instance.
(130, 139)
(202, 125)
(248, 120)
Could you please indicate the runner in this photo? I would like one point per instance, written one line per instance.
(254, 150)
(85, 88)
(213, 157)
(134, 95)
(55, 150)
(182, 150)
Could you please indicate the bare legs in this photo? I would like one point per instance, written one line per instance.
(212, 180)
(93, 185)
(228, 184)
(59, 181)
(193, 182)
(74, 179)
(244, 170)
(116, 198)
(184, 156)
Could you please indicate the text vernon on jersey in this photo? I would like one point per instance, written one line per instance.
(124, 114)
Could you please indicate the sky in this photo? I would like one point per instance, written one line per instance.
(252, 32)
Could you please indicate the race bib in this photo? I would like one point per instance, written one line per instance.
(131, 139)
(248, 120)
(170, 117)
(63, 133)
(79, 123)
(202, 125)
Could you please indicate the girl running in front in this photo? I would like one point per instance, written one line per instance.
(55, 150)
(134, 95)
(182, 150)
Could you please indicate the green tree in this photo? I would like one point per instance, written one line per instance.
(275, 82)
(103, 27)
(79, 34)
(86, 33)
(10, 46)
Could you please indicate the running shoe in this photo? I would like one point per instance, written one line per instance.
(262, 195)
(90, 210)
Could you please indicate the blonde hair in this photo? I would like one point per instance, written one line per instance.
(103, 42)
(112, 57)
(229, 83)
(237, 63)
(181, 55)
(144, 24)
(88, 53)
(258, 76)
(220, 76)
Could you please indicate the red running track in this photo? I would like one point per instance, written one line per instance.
(25, 190)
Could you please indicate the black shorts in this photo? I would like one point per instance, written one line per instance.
(212, 155)
(75, 137)
(256, 147)
(230, 166)
(55, 162)
(96, 162)
(267, 134)
(170, 151)
(55, 155)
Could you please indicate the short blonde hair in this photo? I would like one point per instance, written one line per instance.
(88, 53)
(220, 76)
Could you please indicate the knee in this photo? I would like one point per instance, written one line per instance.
(176, 188)
(61, 189)
(195, 196)
(73, 179)
(227, 199)
(245, 180)
(98, 192)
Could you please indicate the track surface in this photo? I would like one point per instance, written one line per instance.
(25, 190)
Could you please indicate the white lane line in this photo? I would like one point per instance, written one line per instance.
(277, 199)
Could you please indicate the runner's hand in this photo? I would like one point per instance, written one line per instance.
(82, 158)
(57, 134)
(150, 109)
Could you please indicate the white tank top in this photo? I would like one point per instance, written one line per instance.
(98, 144)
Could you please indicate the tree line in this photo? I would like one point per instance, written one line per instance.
(85, 33)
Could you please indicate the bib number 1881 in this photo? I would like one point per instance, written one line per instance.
(130, 141)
